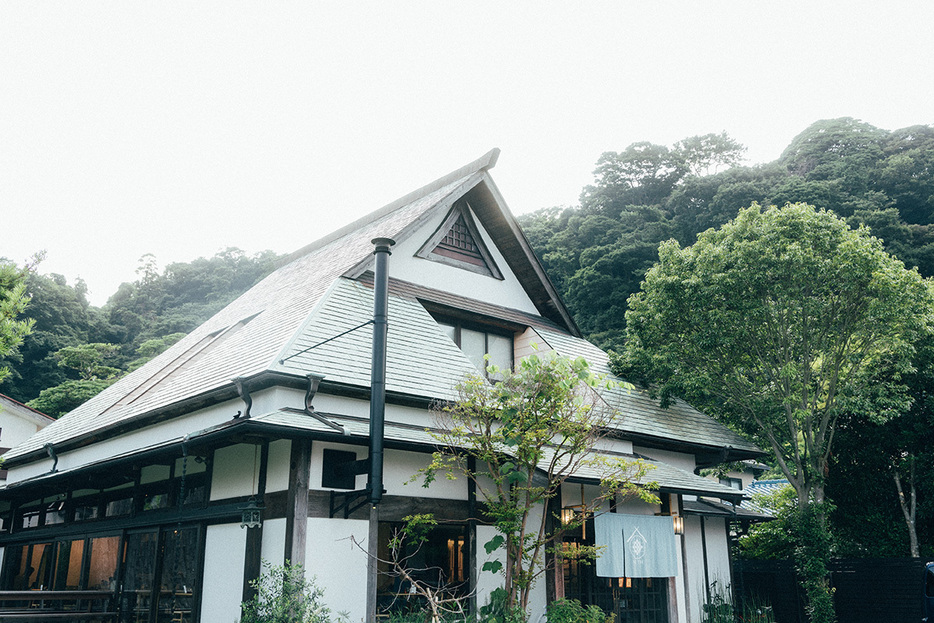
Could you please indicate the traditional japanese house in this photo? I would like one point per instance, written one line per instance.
(254, 416)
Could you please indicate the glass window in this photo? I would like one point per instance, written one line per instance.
(473, 343)
(67, 576)
(179, 574)
(139, 567)
(482, 347)
(102, 569)
(33, 568)
(499, 348)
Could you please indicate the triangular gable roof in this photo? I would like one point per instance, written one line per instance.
(16, 408)
(252, 334)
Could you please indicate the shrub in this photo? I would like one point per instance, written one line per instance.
(285, 595)
(571, 611)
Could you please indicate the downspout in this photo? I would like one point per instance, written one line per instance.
(703, 538)
(377, 411)
(52, 455)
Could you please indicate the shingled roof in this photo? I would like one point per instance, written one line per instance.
(323, 290)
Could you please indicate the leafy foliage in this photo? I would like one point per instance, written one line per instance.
(141, 319)
(518, 440)
(869, 176)
(13, 301)
(571, 611)
(774, 323)
(58, 400)
(88, 360)
(285, 595)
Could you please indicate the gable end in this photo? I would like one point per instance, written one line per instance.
(457, 242)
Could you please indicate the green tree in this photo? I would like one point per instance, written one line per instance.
(62, 317)
(642, 174)
(778, 323)
(58, 400)
(518, 440)
(149, 349)
(705, 154)
(13, 301)
(88, 360)
(774, 321)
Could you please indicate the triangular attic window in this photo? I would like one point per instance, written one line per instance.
(458, 243)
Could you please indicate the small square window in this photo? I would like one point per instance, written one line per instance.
(332, 477)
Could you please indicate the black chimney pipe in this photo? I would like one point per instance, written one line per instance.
(378, 367)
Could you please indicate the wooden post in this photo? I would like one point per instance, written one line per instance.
(296, 513)
(472, 559)
(554, 567)
(252, 560)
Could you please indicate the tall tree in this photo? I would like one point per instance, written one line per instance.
(778, 322)
(774, 322)
(518, 440)
(13, 301)
(705, 154)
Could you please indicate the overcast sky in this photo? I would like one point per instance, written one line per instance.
(182, 128)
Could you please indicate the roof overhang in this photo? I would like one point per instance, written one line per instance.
(226, 392)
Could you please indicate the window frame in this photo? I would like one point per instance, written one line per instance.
(459, 324)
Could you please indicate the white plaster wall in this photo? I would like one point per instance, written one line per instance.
(538, 598)
(693, 580)
(317, 463)
(405, 265)
(236, 471)
(326, 403)
(614, 445)
(174, 429)
(677, 459)
(14, 430)
(274, 398)
(718, 562)
(224, 551)
(718, 557)
(401, 466)
(487, 581)
(338, 565)
(277, 470)
(273, 545)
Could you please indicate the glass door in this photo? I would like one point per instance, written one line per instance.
(179, 575)
(140, 552)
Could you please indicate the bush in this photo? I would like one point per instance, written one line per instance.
(497, 610)
(285, 595)
(571, 611)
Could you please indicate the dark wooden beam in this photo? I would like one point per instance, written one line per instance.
(253, 555)
(296, 512)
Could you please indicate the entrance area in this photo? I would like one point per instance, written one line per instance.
(632, 600)
(152, 575)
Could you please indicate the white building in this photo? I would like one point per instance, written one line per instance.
(140, 490)
(17, 424)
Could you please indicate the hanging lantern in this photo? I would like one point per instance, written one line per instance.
(678, 524)
(252, 516)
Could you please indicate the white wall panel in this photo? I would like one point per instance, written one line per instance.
(224, 549)
(338, 565)
(235, 471)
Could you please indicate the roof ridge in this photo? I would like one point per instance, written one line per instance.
(483, 163)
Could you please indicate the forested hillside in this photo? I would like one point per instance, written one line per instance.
(76, 349)
(597, 253)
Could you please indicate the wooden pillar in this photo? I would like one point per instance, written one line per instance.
(296, 512)
(554, 567)
(253, 557)
(472, 560)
